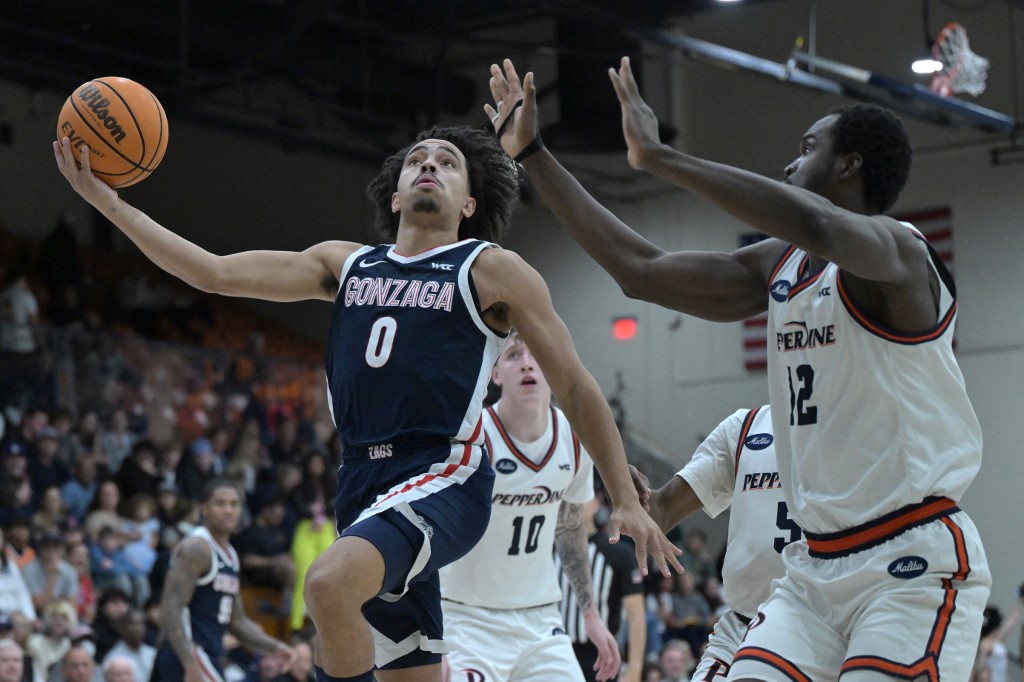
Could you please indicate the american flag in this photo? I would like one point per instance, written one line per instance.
(937, 227)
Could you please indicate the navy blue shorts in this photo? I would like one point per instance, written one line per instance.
(441, 495)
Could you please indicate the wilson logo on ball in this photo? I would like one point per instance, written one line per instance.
(121, 122)
(100, 107)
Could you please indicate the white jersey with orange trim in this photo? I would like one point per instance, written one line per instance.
(866, 420)
(511, 567)
(736, 466)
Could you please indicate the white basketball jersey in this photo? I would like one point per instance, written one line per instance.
(512, 566)
(867, 420)
(736, 466)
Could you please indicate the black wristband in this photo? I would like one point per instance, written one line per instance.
(530, 149)
(504, 124)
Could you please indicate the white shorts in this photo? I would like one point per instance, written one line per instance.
(506, 645)
(722, 645)
(887, 600)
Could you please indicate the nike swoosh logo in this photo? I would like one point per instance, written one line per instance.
(367, 263)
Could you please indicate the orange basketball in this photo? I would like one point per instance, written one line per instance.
(123, 125)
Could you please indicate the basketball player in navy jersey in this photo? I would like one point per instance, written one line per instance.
(416, 328)
(876, 438)
(201, 600)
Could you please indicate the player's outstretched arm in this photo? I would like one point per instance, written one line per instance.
(571, 546)
(505, 281)
(715, 286)
(673, 502)
(189, 562)
(872, 247)
(268, 275)
(252, 636)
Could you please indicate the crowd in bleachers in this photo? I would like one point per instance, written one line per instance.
(120, 396)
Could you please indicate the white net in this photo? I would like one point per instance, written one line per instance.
(962, 69)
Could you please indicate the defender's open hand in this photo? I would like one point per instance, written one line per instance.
(639, 124)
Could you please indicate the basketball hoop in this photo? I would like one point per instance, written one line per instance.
(962, 70)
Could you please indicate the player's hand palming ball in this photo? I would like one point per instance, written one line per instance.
(122, 123)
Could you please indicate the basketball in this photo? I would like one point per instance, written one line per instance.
(122, 123)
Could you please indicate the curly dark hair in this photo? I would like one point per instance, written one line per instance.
(878, 135)
(493, 182)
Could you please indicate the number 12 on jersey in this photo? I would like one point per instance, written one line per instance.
(801, 386)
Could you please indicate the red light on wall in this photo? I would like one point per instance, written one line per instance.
(624, 328)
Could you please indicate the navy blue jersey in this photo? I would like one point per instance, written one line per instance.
(409, 355)
(209, 611)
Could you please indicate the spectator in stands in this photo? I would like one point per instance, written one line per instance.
(12, 658)
(26, 426)
(676, 662)
(50, 578)
(117, 440)
(690, 614)
(651, 673)
(695, 558)
(266, 669)
(51, 516)
(220, 440)
(658, 606)
(14, 594)
(313, 535)
(19, 631)
(45, 469)
(302, 667)
(68, 447)
(21, 344)
(79, 490)
(88, 432)
(78, 666)
(153, 623)
(16, 504)
(184, 521)
(103, 512)
(132, 647)
(264, 550)
(248, 456)
(110, 566)
(196, 469)
(113, 604)
(138, 474)
(142, 535)
(285, 447)
(318, 482)
(712, 591)
(78, 557)
(120, 670)
(49, 646)
(18, 549)
(168, 463)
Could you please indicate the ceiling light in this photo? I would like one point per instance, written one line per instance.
(926, 64)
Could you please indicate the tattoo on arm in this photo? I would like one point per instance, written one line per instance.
(571, 545)
(188, 564)
(248, 632)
